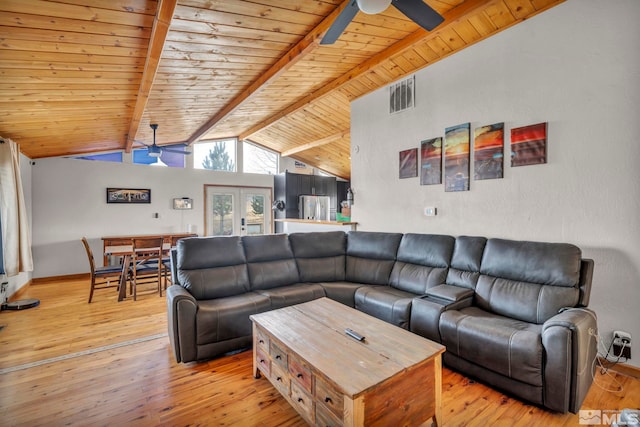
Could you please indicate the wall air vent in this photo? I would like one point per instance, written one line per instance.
(402, 95)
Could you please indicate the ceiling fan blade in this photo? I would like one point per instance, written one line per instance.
(135, 141)
(170, 150)
(341, 22)
(419, 12)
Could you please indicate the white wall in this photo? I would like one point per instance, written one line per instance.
(17, 282)
(69, 202)
(577, 67)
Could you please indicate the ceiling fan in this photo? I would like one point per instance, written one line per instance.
(154, 150)
(419, 12)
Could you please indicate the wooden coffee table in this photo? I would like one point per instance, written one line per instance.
(392, 377)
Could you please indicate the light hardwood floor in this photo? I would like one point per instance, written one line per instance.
(67, 362)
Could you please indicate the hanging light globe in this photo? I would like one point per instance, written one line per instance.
(372, 7)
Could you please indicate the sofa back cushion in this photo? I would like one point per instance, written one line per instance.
(421, 262)
(320, 256)
(529, 281)
(464, 270)
(212, 267)
(270, 261)
(370, 256)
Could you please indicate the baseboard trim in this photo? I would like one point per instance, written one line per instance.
(622, 368)
(20, 292)
(51, 279)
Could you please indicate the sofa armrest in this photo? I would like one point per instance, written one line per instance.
(449, 293)
(181, 312)
(569, 340)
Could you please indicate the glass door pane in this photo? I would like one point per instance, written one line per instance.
(222, 215)
(254, 217)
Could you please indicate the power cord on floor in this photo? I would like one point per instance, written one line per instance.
(604, 370)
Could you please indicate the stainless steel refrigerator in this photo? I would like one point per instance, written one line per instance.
(314, 207)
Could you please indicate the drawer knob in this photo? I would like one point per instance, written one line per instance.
(301, 400)
(278, 357)
(261, 341)
(300, 375)
(279, 379)
(327, 399)
(261, 360)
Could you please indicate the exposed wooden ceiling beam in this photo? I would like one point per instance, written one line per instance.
(295, 54)
(161, 24)
(317, 143)
(459, 12)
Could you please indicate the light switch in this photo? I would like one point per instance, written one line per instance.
(431, 211)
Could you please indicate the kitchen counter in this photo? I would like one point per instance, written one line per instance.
(295, 225)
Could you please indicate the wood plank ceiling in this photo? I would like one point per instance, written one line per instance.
(83, 76)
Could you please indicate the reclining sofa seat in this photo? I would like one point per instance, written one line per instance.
(517, 335)
(208, 311)
(273, 272)
(422, 261)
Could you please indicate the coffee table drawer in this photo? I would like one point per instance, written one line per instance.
(329, 397)
(280, 379)
(262, 339)
(302, 400)
(278, 356)
(325, 417)
(263, 361)
(300, 373)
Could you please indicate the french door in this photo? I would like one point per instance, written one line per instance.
(237, 211)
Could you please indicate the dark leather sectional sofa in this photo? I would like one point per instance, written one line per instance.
(510, 313)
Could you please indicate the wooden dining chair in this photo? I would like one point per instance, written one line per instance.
(101, 277)
(166, 259)
(146, 263)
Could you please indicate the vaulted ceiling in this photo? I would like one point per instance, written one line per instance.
(83, 76)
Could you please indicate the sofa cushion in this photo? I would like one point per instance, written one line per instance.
(370, 256)
(465, 262)
(270, 261)
(285, 296)
(320, 256)
(503, 345)
(343, 292)
(421, 262)
(213, 267)
(529, 281)
(384, 302)
(228, 318)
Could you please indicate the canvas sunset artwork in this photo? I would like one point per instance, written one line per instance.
(456, 157)
(529, 145)
(488, 147)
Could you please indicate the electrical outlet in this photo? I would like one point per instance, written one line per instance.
(621, 344)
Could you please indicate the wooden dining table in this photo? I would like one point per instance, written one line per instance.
(126, 252)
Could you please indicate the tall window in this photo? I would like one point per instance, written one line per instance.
(259, 160)
(215, 155)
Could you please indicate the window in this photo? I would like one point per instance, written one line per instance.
(174, 160)
(215, 155)
(259, 160)
(107, 157)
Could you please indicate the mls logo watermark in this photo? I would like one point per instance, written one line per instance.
(609, 417)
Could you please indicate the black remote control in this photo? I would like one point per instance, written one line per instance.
(354, 334)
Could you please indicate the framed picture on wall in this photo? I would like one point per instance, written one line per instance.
(488, 149)
(128, 195)
(529, 145)
(431, 161)
(409, 163)
(456, 157)
(183, 203)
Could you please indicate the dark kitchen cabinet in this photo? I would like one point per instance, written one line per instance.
(289, 186)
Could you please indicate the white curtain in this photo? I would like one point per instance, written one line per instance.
(16, 239)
